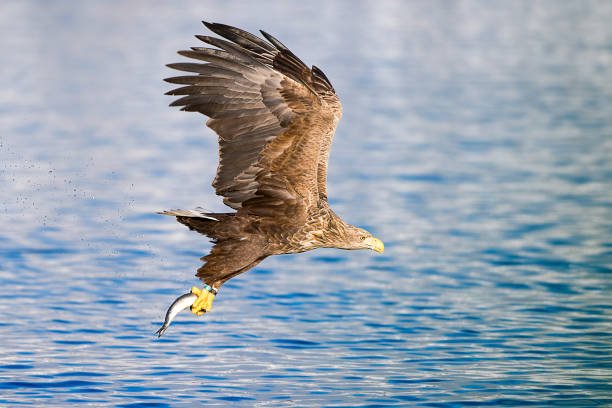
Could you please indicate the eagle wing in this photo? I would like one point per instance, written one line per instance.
(274, 118)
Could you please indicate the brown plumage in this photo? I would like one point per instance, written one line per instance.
(275, 119)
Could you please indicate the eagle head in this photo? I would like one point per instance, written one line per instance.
(358, 238)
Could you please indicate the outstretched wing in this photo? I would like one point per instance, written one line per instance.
(274, 116)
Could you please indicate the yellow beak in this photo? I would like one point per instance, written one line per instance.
(375, 244)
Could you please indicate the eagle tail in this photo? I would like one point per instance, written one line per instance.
(213, 225)
(197, 212)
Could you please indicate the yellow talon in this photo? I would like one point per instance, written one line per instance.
(203, 303)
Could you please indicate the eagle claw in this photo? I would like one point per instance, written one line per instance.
(203, 303)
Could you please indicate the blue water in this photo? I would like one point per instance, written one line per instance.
(476, 142)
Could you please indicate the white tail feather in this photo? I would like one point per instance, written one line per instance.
(197, 212)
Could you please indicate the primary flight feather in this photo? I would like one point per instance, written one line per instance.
(275, 119)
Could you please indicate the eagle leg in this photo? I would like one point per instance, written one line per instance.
(204, 301)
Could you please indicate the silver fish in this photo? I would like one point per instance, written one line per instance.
(181, 303)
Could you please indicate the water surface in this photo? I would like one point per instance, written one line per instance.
(476, 142)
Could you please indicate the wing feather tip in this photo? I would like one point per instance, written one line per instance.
(176, 65)
(204, 38)
(279, 45)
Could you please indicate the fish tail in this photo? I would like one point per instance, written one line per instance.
(161, 331)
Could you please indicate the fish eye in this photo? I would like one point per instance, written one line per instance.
(362, 237)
